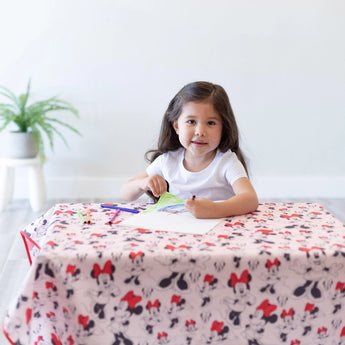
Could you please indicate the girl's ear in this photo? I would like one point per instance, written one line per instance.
(175, 125)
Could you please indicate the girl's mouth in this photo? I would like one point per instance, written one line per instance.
(198, 143)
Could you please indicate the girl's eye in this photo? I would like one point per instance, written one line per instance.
(212, 123)
(191, 122)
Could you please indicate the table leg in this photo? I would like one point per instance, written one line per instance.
(6, 186)
(37, 188)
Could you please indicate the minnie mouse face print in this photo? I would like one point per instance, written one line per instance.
(314, 273)
(272, 277)
(124, 314)
(263, 314)
(137, 268)
(153, 316)
(105, 290)
(242, 296)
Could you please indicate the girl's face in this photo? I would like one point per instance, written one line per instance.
(199, 128)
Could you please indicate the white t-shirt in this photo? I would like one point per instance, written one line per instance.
(214, 182)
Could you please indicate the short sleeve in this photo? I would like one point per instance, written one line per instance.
(155, 168)
(234, 169)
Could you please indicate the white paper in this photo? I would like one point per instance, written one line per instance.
(170, 215)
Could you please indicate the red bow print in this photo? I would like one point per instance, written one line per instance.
(309, 307)
(222, 236)
(295, 342)
(96, 234)
(267, 308)
(131, 299)
(208, 279)
(231, 225)
(83, 320)
(264, 231)
(274, 263)
(49, 285)
(340, 286)
(289, 313)
(309, 249)
(169, 246)
(243, 278)
(70, 340)
(217, 326)
(106, 269)
(142, 231)
(291, 216)
(321, 330)
(162, 335)
(134, 255)
(50, 314)
(153, 305)
(71, 269)
(190, 322)
(59, 212)
(175, 299)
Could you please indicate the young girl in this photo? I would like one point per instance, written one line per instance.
(198, 156)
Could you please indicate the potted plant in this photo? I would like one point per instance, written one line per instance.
(31, 121)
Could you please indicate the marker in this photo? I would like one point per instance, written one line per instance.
(88, 219)
(132, 210)
(81, 216)
(193, 197)
(113, 217)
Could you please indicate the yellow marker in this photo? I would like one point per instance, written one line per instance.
(88, 219)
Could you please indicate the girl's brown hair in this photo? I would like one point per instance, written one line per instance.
(198, 92)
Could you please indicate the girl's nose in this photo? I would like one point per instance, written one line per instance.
(200, 130)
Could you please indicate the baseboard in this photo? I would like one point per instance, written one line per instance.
(285, 187)
(266, 187)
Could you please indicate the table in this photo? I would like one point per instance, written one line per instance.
(274, 276)
(36, 182)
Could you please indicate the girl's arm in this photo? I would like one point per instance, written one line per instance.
(243, 202)
(140, 184)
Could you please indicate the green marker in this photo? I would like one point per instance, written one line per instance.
(81, 216)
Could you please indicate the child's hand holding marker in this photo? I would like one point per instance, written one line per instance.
(200, 207)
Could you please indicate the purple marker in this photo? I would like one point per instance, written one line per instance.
(114, 216)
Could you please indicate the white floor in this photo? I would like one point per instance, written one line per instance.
(13, 260)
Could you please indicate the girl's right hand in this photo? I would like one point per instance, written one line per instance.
(156, 184)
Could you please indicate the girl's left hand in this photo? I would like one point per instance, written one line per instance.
(200, 207)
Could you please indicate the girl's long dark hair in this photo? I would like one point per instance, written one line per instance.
(197, 92)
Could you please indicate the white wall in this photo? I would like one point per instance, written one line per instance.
(120, 63)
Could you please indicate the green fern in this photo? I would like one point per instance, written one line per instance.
(34, 117)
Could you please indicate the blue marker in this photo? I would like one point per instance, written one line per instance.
(131, 210)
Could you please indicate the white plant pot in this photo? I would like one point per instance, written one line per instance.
(20, 145)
